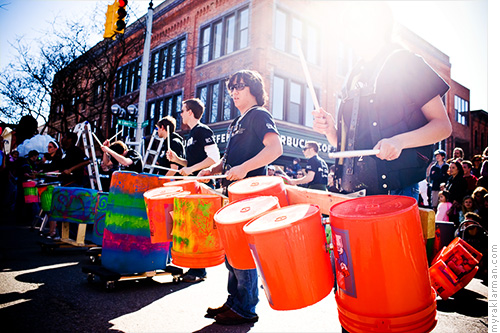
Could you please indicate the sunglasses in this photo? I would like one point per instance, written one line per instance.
(306, 148)
(237, 86)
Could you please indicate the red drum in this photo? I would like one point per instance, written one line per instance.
(230, 221)
(289, 249)
(381, 266)
(196, 242)
(260, 185)
(159, 204)
(188, 185)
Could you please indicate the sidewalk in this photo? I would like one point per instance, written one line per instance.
(44, 292)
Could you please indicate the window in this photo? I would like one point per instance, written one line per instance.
(224, 36)
(98, 92)
(128, 78)
(168, 61)
(345, 59)
(461, 111)
(288, 28)
(170, 105)
(291, 101)
(218, 104)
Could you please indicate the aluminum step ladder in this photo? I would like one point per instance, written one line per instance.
(84, 132)
(152, 152)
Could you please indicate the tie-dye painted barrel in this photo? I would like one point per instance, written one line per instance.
(126, 245)
(30, 192)
(100, 217)
(196, 241)
(73, 204)
(159, 205)
(45, 192)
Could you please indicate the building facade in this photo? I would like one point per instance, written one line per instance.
(196, 45)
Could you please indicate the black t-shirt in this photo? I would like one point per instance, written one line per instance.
(246, 135)
(320, 169)
(72, 157)
(136, 165)
(200, 136)
(177, 147)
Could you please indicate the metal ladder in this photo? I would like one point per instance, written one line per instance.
(84, 132)
(152, 152)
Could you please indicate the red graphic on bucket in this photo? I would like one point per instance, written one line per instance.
(343, 262)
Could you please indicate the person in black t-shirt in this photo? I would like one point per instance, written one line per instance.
(316, 176)
(117, 156)
(253, 143)
(201, 149)
(201, 152)
(166, 130)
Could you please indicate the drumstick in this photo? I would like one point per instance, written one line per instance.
(307, 75)
(194, 177)
(353, 153)
(168, 138)
(164, 168)
(114, 136)
(99, 142)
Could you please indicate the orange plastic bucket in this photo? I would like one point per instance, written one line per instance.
(289, 249)
(188, 185)
(260, 185)
(381, 266)
(196, 241)
(454, 267)
(230, 221)
(159, 203)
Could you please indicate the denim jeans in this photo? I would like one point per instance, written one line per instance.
(409, 191)
(243, 289)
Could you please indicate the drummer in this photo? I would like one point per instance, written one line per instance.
(253, 143)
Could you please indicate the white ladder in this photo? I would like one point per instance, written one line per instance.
(152, 153)
(84, 132)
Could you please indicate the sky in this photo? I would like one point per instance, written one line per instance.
(457, 28)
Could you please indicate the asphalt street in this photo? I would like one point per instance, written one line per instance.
(48, 292)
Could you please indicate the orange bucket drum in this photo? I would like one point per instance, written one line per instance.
(230, 221)
(289, 249)
(159, 203)
(188, 185)
(196, 241)
(381, 266)
(259, 185)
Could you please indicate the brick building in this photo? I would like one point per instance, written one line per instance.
(196, 45)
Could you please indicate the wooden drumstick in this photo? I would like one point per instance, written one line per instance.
(114, 136)
(354, 153)
(307, 75)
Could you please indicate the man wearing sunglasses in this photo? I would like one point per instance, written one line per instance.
(253, 143)
(316, 174)
(201, 152)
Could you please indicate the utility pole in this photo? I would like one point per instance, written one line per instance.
(141, 113)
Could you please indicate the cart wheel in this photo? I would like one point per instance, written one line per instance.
(93, 259)
(90, 277)
(110, 285)
(175, 280)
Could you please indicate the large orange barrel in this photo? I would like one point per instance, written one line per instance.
(260, 185)
(196, 242)
(381, 266)
(188, 185)
(230, 221)
(289, 249)
(159, 203)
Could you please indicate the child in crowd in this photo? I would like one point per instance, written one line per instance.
(467, 206)
(443, 206)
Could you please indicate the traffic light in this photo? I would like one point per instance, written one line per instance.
(115, 19)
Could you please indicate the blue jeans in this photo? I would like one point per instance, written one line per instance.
(243, 289)
(409, 191)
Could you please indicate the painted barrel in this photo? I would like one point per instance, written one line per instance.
(381, 266)
(159, 205)
(260, 185)
(289, 248)
(454, 267)
(230, 220)
(46, 192)
(192, 186)
(30, 192)
(126, 244)
(196, 241)
(73, 204)
(100, 217)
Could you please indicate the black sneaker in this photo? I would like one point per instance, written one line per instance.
(230, 317)
(212, 312)
(192, 278)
